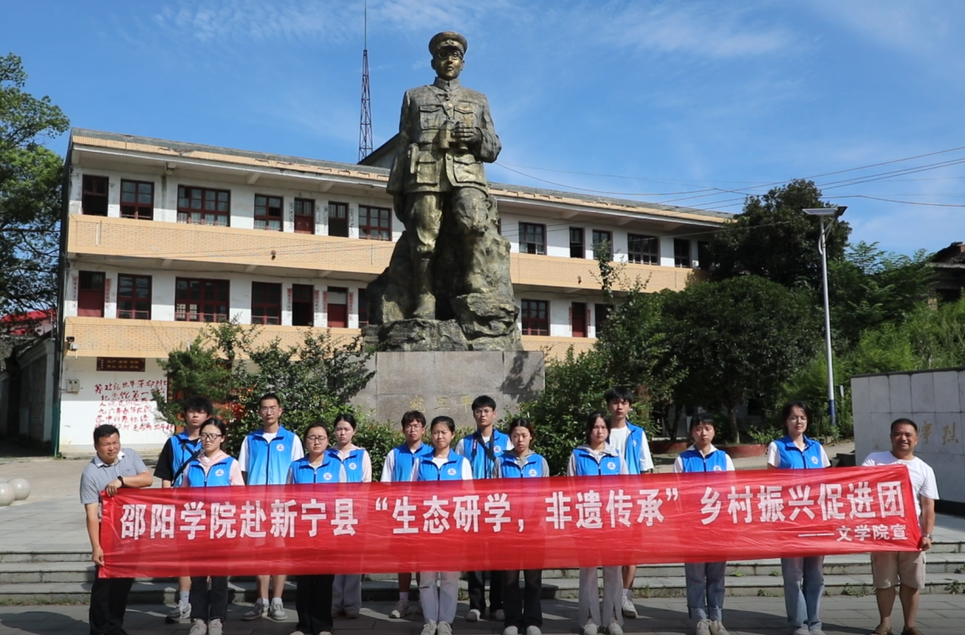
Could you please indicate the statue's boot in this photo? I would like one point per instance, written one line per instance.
(426, 301)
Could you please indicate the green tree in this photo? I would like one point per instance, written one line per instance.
(737, 340)
(30, 199)
(773, 238)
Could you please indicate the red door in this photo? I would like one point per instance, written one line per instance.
(578, 319)
(337, 307)
(90, 294)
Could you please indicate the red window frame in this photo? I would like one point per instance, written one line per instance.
(204, 206)
(535, 315)
(137, 199)
(91, 286)
(375, 223)
(93, 195)
(600, 236)
(532, 238)
(266, 303)
(303, 305)
(577, 242)
(338, 219)
(643, 250)
(304, 216)
(133, 297)
(269, 212)
(201, 300)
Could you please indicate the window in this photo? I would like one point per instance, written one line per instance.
(577, 242)
(198, 300)
(268, 212)
(681, 252)
(532, 238)
(90, 294)
(338, 219)
(578, 319)
(603, 240)
(303, 305)
(703, 254)
(133, 297)
(363, 307)
(94, 195)
(643, 250)
(265, 303)
(137, 200)
(304, 216)
(600, 314)
(375, 223)
(203, 206)
(536, 317)
(337, 307)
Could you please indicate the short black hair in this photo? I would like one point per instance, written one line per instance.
(446, 420)
(591, 422)
(269, 395)
(618, 393)
(348, 418)
(483, 401)
(904, 421)
(791, 405)
(702, 417)
(318, 424)
(522, 422)
(218, 423)
(413, 415)
(198, 403)
(105, 430)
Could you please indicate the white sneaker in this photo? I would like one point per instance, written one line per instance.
(717, 628)
(814, 631)
(215, 627)
(499, 615)
(533, 630)
(510, 630)
(629, 610)
(429, 628)
(178, 613)
(400, 610)
(444, 628)
(614, 628)
(801, 630)
(472, 615)
(198, 627)
(277, 611)
(703, 627)
(591, 628)
(260, 609)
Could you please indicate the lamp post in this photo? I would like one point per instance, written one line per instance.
(822, 213)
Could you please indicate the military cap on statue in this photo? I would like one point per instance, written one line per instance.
(447, 39)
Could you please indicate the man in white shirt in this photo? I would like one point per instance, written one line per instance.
(905, 568)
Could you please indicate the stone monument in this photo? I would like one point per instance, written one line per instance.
(447, 286)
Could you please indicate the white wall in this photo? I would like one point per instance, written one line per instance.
(935, 400)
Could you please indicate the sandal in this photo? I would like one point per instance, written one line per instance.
(911, 631)
(882, 630)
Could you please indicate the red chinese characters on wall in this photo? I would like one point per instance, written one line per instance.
(129, 405)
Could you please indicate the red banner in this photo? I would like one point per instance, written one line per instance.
(534, 523)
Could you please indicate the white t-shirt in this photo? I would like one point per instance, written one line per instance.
(923, 481)
(618, 438)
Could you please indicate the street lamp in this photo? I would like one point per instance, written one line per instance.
(821, 213)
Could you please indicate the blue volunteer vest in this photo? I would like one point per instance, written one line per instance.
(474, 449)
(218, 475)
(451, 470)
(587, 465)
(510, 468)
(352, 464)
(405, 459)
(634, 449)
(268, 463)
(330, 471)
(183, 448)
(793, 458)
(694, 461)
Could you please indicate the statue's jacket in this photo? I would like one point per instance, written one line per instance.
(432, 161)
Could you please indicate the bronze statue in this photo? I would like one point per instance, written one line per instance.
(450, 263)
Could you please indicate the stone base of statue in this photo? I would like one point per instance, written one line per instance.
(445, 383)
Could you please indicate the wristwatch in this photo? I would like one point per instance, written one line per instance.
(121, 479)
(929, 536)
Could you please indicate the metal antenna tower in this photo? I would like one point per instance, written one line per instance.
(365, 123)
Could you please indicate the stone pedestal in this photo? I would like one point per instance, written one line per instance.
(446, 382)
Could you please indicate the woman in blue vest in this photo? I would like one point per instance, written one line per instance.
(313, 593)
(705, 580)
(347, 594)
(444, 464)
(212, 468)
(803, 577)
(597, 458)
(522, 611)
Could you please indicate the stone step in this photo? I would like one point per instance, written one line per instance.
(853, 564)
(163, 593)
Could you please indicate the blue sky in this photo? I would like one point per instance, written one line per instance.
(686, 103)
